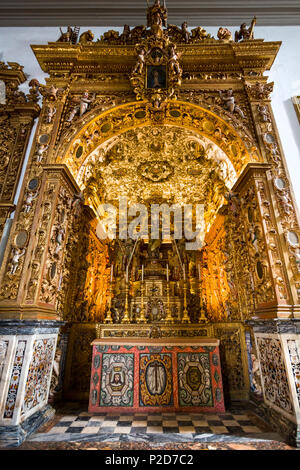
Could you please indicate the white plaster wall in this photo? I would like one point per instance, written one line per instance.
(15, 47)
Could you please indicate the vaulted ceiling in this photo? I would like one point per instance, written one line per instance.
(132, 12)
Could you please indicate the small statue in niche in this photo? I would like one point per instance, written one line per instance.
(224, 34)
(29, 200)
(40, 152)
(15, 259)
(125, 35)
(77, 204)
(67, 36)
(229, 102)
(60, 235)
(253, 238)
(245, 33)
(185, 33)
(82, 106)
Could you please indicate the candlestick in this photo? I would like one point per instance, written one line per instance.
(142, 272)
(111, 272)
(142, 318)
(108, 318)
(167, 273)
(126, 318)
(184, 272)
(199, 272)
(169, 317)
(127, 273)
(185, 318)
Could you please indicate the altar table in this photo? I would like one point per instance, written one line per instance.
(141, 374)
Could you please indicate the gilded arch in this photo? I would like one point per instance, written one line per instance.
(76, 145)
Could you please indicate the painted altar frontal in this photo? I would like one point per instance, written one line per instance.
(154, 375)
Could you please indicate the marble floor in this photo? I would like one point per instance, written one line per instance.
(74, 428)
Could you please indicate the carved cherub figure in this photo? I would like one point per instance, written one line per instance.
(286, 201)
(15, 259)
(82, 106)
(173, 60)
(51, 111)
(138, 68)
(229, 102)
(40, 152)
(60, 235)
(29, 200)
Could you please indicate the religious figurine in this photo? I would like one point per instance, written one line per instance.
(224, 34)
(29, 200)
(82, 107)
(60, 235)
(15, 259)
(51, 111)
(40, 153)
(52, 92)
(245, 33)
(229, 102)
(253, 238)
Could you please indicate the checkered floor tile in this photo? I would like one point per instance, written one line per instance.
(225, 423)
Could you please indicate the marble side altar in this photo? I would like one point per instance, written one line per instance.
(140, 374)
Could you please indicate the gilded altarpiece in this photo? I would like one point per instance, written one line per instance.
(160, 115)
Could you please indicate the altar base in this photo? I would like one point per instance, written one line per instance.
(156, 375)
